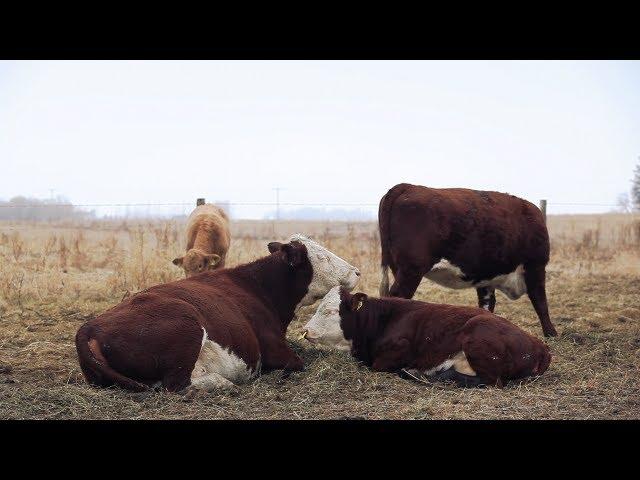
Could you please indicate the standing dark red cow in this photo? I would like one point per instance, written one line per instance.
(213, 329)
(462, 238)
(417, 339)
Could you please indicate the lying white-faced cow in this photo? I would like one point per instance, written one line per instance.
(462, 238)
(421, 340)
(213, 329)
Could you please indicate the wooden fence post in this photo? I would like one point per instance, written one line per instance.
(543, 208)
(200, 201)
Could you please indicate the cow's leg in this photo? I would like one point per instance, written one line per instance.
(486, 298)
(278, 356)
(534, 278)
(485, 350)
(392, 355)
(177, 379)
(461, 379)
(406, 282)
(211, 382)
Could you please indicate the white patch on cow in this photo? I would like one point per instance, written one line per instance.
(211, 382)
(324, 327)
(217, 367)
(329, 270)
(446, 365)
(459, 362)
(449, 275)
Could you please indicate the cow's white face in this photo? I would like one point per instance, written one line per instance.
(329, 271)
(324, 327)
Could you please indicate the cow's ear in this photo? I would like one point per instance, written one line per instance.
(294, 255)
(357, 301)
(178, 261)
(274, 247)
(212, 259)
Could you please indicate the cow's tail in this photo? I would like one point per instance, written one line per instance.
(384, 282)
(99, 372)
(384, 220)
(385, 254)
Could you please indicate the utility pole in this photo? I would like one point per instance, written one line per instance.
(277, 189)
(543, 208)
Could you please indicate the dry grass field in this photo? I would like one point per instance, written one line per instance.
(53, 277)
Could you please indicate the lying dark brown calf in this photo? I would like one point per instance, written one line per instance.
(417, 339)
(213, 329)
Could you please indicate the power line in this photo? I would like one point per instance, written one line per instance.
(45, 205)
(273, 204)
(277, 204)
(584, 204)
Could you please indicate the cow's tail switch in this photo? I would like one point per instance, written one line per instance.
(384, 282)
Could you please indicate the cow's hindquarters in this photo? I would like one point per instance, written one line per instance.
(499, 351)
(94, 366)
(147, 341)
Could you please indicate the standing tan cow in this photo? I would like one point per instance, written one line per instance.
(207, 240)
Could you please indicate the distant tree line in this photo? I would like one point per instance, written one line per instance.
(628, 203)
(635, 187)
(34, 209)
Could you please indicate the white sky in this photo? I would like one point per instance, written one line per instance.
(324, 131)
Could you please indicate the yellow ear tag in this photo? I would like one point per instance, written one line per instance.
(304, 335)
(359, 305)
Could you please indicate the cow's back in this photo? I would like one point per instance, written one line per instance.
(228, 310)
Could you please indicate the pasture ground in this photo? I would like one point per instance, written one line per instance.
(55, 277)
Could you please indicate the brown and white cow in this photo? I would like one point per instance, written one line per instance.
(214, 329)
(431, 341)
(208, 240)
(462, 238)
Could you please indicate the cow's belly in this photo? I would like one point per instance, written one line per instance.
(449, 275)
(218, 367)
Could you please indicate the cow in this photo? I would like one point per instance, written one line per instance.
(427, 341)
(212, 330)
(461, 238)
(208, 240)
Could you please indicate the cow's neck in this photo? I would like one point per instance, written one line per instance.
(277, 284)
(367, 327)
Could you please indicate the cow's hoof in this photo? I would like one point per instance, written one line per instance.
(460, 379)
(189, 393)
(287, 373)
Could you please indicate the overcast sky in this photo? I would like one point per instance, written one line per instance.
(325, 132)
